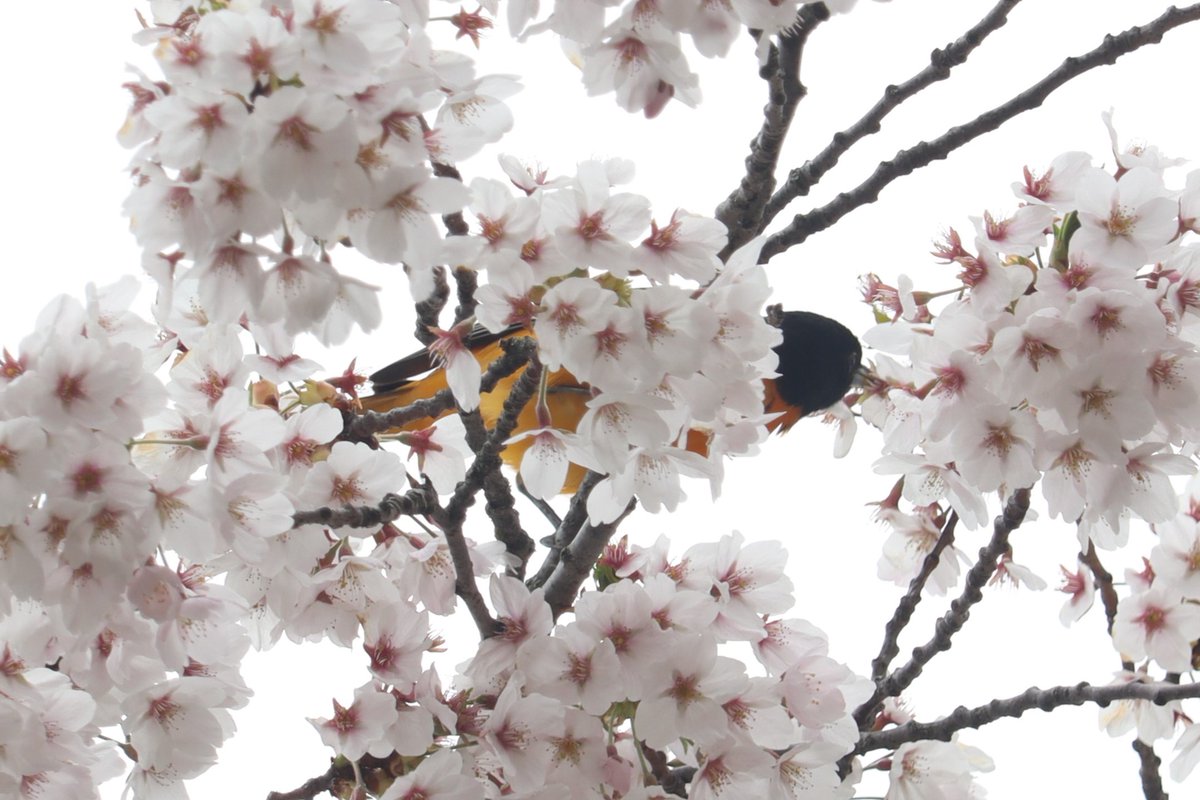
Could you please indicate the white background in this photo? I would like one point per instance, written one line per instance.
(62, 170)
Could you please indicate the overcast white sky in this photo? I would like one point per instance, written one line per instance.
(63, 173)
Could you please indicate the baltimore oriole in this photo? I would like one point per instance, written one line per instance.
(818, 360)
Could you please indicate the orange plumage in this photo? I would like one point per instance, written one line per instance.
(818, 360)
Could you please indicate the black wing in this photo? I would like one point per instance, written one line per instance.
(401, 372)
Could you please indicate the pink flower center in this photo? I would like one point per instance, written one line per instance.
(324, 22)
(209, 118)
(345, 489)
(579, 669)
(610, 342)
(684, 690)
(1121, 221)
(296, 132)
(952, 382)
(257, 58)
(592, 227)
(1106, 320)
(88, 478)
(1075, 461)
(999, 440)
(1036, 351)
(1153, 619)
(492, 230)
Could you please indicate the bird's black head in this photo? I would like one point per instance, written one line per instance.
(818, 359)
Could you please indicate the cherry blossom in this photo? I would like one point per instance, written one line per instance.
(925, 769)
(1155, 623)
(357, 729)
(149, 535)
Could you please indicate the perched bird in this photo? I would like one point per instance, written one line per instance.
(818, 361)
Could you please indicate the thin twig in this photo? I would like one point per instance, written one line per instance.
(908, 604)
(1104, 583)
(455, 224)
(452, 517)
(941, 61)
(567, 529)
(742, 211)
(960, 609)
(501, 507)
(1044, 699)
(1148, 762)
(541, 505)
(464, 577)
(906, 161)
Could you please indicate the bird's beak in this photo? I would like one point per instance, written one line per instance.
(862, 374)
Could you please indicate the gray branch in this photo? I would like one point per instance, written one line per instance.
(1044, 699)
(907, 161)
(941, 61)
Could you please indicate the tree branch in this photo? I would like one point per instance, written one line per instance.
(1043, 699)
(429, 310)
(908, 604)
(960, 609)
(941, 61)
(314, 786)
(466, 281)
(906, 161)
(501, 508)
(1104, 583)
(576, 562)
(541, 505)
(1152, 787)
(517, 352)
(742, 211)
(567, 529)
(414, 502)
(451, 519)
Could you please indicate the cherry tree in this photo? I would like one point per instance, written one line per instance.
(182, 482)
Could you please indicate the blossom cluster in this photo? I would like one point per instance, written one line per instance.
(96, 630)
(635, 49)
(153, 478)
(568, 709)
(283, 132)
(661, 358)
(1067, 360)
(149, 541)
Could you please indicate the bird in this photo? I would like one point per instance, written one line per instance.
(819, 361)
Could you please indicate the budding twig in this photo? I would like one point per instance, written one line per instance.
(567, 528)
(421, 500)
(429, 310)
(960, 609)
(1043, 699)
(742, 211)
(1104, 583)
(941, 61)
(906, 161)
(908, 604)
(577, 559)
(507, 524)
